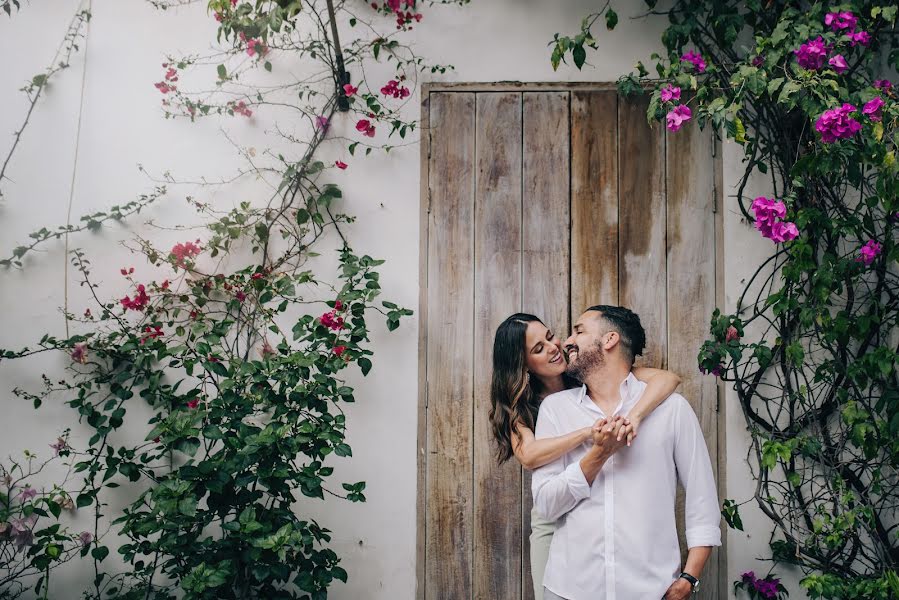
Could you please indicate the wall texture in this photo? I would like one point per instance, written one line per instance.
(60, 171)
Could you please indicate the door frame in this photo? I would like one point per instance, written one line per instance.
(424, 210)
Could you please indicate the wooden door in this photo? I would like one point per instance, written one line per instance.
(545, 199)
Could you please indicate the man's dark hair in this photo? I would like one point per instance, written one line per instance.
(627, 324)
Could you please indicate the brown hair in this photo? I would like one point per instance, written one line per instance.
(514, 397)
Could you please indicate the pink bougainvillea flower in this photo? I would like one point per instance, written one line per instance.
(731, 334)
(218, 16)
(860, 37)
(349, 90)
(784, 231)
(695, 59)
(126, 272)
(255, 47)
(758, 61)
(338, 305)
(257, 276)
(266, 350)
(20, 531)
(838, 63)
(192, 404)
(670, 93)
(332, 320)
(240, 296)
(811, 54)
(79, 353)
(87, 313)
(716, 370)
(882, 84)
(767, 212)
(841, 20)
(140, 299)
(151, 333)
(393, 88)
(322, 122)
(58, 446)
(171, 74)
(678, 116)
(164, 87)
(233, 3)
(836, 124)
(365, 127)
(240, 108)
(184, 252)
(85, 537)
(340, 164)
(868, 252)
(872, 108)
(339, 350)
(27, 493)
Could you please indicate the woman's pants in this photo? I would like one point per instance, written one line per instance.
(541, 537)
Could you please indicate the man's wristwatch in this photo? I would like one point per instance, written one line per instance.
(694, 583)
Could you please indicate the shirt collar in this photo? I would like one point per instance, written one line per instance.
(628, 390)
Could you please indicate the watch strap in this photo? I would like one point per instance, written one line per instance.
(693, 581)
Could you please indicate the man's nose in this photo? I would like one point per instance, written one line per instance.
(569, 342)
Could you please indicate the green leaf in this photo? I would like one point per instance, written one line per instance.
(579, 55)
(611, 19)
(222, 72)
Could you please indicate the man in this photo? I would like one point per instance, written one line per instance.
(616, 538)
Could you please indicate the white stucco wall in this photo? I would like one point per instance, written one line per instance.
(122, 125)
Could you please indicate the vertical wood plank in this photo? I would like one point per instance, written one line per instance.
(691, 282)
(594, 199)
(720, 300)
(545, 240)
(497, 242)
(450, 335)
(642, 226)
(421, 505)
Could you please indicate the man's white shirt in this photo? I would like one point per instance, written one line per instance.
(616, 539)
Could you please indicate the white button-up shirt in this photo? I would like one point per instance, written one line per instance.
(616, 539)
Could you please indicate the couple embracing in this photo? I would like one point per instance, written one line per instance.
(603, 520)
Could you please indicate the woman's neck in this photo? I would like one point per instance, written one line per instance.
(551, 385)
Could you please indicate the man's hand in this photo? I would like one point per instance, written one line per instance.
(605, 435)
(629, 429)
(679, 590)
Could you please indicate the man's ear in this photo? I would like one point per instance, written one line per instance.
(612, 340)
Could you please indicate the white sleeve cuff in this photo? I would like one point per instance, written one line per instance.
(703, 536)
(577, 483)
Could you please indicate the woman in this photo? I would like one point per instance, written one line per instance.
(528, 365)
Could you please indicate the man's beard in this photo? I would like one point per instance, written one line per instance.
(587, 361)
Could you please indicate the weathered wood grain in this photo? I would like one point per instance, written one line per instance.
(545, 241)
(448, 571)
(497, 251)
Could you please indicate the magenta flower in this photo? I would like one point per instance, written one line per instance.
(241, 108)
(869, 252)
(140, 299)
(758, 61)
(184, 252)
(58, 446)
(838, 63)
(872, 108)
(192, 404)
(27, 493)
(85, 537)
(349, 90)
(861, 37)
(811, 54)
(678, 116)
(841, 20)
(331, 320)
(670, 93)
(836, 124)
(882, 84)
(256, 47)
(322, 122)
(365, 127)
(767, 212)
(79, 353)
(393, 88)
(340, 164)
(164, 87)
(695, 59)
(731, 334)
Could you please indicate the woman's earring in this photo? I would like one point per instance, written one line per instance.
(527, 376)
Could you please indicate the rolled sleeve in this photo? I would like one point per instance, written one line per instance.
(702, 515)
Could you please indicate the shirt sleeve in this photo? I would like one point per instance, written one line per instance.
(702, 515)
(556, 489)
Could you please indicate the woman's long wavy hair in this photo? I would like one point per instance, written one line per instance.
(514, 397)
